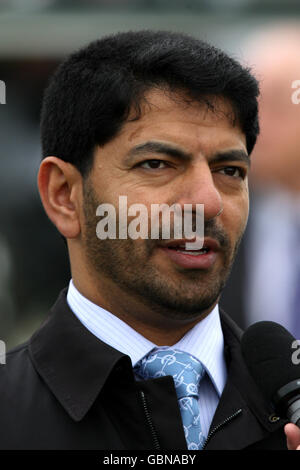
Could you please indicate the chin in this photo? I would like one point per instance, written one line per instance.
(185, 308)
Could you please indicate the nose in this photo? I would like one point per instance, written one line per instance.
(198, 187)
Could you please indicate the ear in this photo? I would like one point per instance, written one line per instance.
(60, 187)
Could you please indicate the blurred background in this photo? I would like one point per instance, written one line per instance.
(35, 35)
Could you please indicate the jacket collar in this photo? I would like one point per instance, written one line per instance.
(76, 365)
(72, 361)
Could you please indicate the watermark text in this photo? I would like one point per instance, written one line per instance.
(163, 222)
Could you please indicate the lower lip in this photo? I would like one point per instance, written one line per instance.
(204, 261)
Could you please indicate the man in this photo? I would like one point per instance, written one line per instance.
(160, 118)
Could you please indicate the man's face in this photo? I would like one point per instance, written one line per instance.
(202, 170)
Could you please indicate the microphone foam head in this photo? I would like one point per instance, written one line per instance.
(267, 350)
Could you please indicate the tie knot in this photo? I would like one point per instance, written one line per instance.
(186, 370)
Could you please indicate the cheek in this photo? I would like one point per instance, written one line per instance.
(236, 213)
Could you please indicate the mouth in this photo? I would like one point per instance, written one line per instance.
(203, 258)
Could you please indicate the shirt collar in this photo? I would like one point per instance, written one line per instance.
(204, 341)
(108, 327)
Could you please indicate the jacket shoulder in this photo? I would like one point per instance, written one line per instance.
(15, 361)
(17, 375)
(23, 395)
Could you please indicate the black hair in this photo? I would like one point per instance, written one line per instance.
(90, 95)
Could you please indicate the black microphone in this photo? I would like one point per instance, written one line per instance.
(269, 352)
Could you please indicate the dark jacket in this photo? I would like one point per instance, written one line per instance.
(66, 389)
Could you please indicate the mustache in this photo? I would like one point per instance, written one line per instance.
(211, 230)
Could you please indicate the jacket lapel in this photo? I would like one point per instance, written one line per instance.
(243, 417)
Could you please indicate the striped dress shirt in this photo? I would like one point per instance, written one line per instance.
(204, 341)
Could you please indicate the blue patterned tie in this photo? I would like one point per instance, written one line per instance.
(187, 373)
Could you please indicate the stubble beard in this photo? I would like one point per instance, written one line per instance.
(129, 265)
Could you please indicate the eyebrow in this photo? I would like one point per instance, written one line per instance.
(151, 147)
(158, 147)
(235, 155)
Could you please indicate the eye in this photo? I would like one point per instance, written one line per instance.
(153, 164)
(234, 171)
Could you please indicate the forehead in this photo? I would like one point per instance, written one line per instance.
(194, 125)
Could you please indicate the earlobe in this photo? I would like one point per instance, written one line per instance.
(59, 183)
